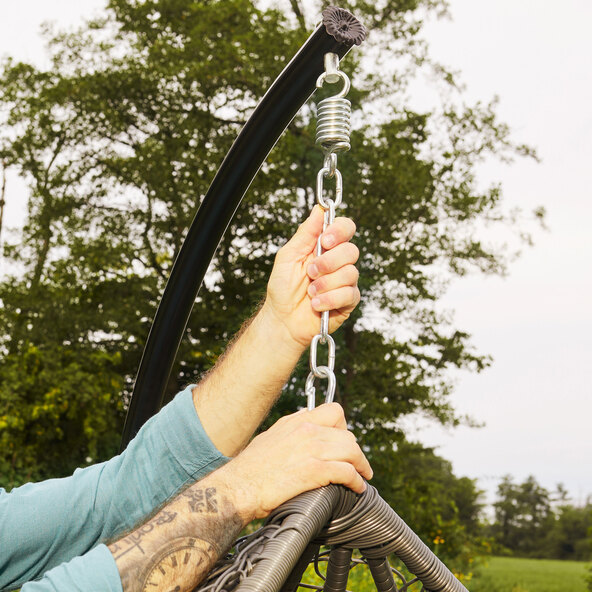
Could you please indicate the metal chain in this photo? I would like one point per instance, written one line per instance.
(333, 129)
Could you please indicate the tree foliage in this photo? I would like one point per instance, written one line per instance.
(119, 140)
(531, 521)
(445, 509)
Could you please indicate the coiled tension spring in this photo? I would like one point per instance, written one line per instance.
(334, 113)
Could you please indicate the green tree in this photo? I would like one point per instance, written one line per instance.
(119, 140)
(570, 537)
(534, 522)
(531, 521)
(523, 515)
(444, 509)
(56, 405)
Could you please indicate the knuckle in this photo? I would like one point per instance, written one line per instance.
(257, 439)
(322, 264)
(280, 255)
(355, 252)
(307, 430)
(283, 420)
(337, 410)
(354, 274)
(317, 470)
(347, 224)
(350, 473)
(352, 438)
(362, 460)
(320, 285)
(327, 301)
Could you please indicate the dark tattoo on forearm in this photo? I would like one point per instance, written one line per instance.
(177, 563)
(202, 500)
(134, 539)
(174, 551)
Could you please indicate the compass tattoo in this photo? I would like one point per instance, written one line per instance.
(176, 548)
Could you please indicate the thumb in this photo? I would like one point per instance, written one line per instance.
(305, 239)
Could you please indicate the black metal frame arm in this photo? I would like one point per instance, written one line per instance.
(272, 115)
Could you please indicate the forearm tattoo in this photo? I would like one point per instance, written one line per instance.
(174, 550)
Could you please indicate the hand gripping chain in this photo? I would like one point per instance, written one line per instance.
(333, 130)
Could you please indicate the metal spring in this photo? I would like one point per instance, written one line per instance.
(333, 124)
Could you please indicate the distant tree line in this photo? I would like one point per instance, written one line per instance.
(531, 521)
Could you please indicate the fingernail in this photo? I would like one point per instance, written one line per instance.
(312, 290)
(313, 271)
(316, 302)
(328, 241)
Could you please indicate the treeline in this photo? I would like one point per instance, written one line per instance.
(531, 521)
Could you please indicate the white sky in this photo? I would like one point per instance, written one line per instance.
(536, 400)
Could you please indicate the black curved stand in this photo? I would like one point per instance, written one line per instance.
(272, 115)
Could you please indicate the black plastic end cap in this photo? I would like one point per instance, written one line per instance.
(343, 26)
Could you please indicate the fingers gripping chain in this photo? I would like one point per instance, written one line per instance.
(333, 131)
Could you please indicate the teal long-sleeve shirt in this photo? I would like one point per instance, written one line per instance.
(52, 533)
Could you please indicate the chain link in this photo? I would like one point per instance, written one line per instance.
(333, 128)
(326, 172)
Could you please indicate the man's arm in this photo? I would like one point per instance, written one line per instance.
(235, 397)
(176, 548)
(180, 544)
(43, 525)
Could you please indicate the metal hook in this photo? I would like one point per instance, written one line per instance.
(332, 74)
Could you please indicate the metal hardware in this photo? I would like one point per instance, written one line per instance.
(313, 354)
(333, 127)
(326, 172)
(333, 131)
(334, 113)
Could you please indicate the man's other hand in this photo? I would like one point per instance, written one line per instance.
(300, 452)
(302, 285)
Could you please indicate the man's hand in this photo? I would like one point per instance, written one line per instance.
(302, 285)
(237, 394)
(300, 452)
(176, 548)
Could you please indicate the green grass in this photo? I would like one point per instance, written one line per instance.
(499, 574)
(359, 580)
(510, 574)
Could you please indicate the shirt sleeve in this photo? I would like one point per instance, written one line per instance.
(43, 525)
(95, 571)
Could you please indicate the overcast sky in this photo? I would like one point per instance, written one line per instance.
(536, 399)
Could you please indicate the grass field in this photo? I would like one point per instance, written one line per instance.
(500, 574)
(509, 574)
